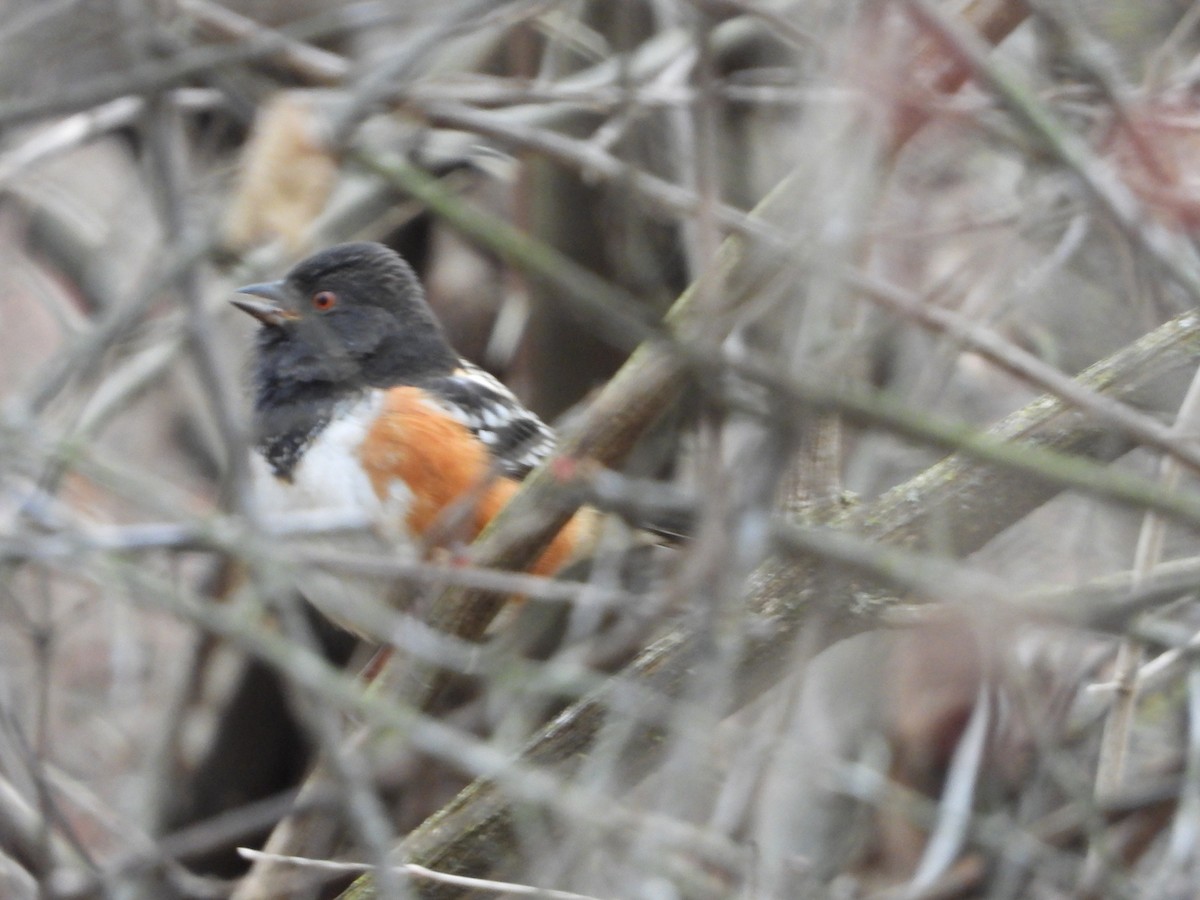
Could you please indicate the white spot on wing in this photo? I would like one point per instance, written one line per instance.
(517, 438)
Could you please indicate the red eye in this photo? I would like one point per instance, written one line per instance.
(324, 300)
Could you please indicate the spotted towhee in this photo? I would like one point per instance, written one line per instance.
(363, 408)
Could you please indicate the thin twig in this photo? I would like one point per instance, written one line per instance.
(168, 154)
(315, 65)
(781, 26)
(586, 157)
(476, 884)
(151, 77)
(378, 83)
(949, 833)
(1025, 365)
(74, 131)
(507, 95)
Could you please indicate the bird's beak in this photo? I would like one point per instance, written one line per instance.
(271, 312)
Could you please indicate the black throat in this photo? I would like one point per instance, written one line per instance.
(287, 422)
(299, 388)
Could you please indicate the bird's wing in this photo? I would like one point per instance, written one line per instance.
(516, 439)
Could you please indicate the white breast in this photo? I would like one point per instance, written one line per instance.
(329, 478)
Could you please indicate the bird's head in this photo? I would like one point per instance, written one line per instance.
(348, 317)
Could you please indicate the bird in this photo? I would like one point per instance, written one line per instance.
(362, 407)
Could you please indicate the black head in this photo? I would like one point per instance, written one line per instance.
(349, 317)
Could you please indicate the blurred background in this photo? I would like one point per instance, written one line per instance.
(901, 222)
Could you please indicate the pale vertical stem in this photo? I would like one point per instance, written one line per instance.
(1182, 849)
(1114, 742)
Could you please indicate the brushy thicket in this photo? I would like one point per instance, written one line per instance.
(805, 284)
